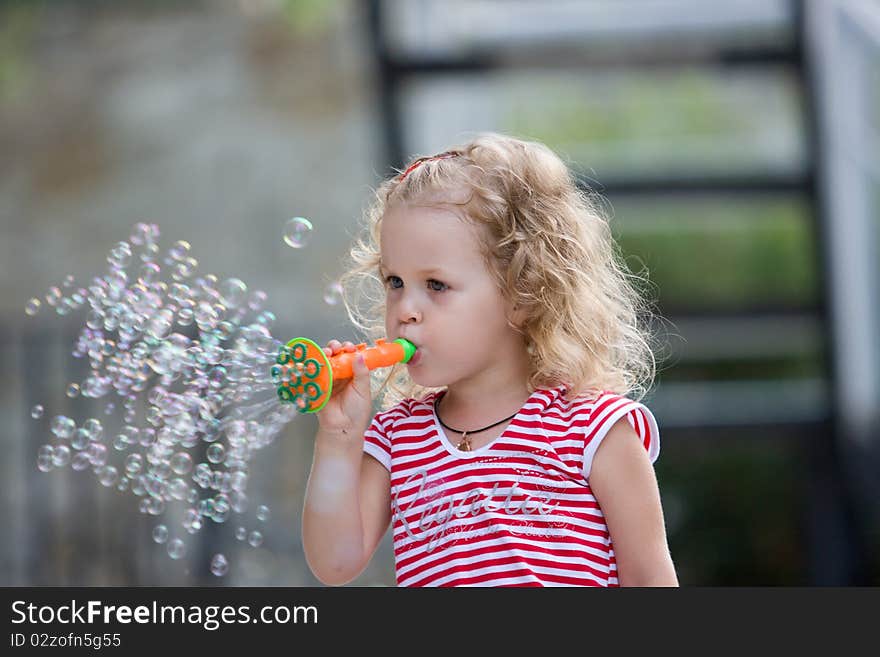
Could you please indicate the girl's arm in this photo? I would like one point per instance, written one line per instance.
(348, 498)
(622, 479)
(347, 509)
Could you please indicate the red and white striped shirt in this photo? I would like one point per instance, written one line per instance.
(516, 512)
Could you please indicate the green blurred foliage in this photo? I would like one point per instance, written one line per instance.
(746, 369)
(309, 16)
(723, 254)
(689, 103)
(18, 22)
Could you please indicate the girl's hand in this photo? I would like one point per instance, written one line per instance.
(350, 407)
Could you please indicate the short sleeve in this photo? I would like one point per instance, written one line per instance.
(607, 410)
(377, 439)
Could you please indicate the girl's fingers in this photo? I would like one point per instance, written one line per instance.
(335, 346)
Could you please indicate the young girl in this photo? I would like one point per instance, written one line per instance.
(509, 454)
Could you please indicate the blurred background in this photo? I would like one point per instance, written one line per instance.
(736, 146)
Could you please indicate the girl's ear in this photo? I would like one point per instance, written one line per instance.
(517, 317)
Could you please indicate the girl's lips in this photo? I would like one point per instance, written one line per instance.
(416, 357)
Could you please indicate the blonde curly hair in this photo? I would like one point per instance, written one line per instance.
(550, 251)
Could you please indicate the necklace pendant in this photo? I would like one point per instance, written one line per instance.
(465, 444)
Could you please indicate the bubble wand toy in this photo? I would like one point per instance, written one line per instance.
(305, 374)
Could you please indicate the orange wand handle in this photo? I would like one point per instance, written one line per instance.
(384, 354)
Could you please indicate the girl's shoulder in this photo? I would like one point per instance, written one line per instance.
(560, 399)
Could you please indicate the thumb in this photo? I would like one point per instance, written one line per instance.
(361, 379)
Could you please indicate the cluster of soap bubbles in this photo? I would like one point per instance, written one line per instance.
(188, 359)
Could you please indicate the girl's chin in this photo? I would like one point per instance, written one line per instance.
(420, 377)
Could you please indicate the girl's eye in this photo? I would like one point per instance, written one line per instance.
(394, 282)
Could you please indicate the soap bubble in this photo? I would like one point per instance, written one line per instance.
(32, 307)
(333, 294)
(134, 463)
(233, 292)
(176, 548)
(191, 356)
(216, 453)
(258, 298)
(53, 296)
(80, 439)
(63, 426)
(297, 232)
(107, 475)
(61, 456)
(180, 250)
(160, 533)
(181, 463)
(94, 428)
(219, 565)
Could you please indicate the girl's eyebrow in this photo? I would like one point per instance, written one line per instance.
(429, 270)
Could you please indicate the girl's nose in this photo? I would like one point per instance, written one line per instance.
(409, 312)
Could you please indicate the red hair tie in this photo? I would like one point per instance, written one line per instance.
(422, 160)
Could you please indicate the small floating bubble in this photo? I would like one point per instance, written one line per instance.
(61, 456)
(176, 548)
(263, 512)
(297, 232)
(32, 307)
(73, 390)
(140, 234)
(53, 296)
(241, 533)
(257, 300)
(97, 454)
(160, 533)
(149, 272)
(255, 539)
(37, 411)
(333, 294)
(216, 453)
(181, 463)
(63, 426)
(179, 251)
(219, 565)
(120, 256)
(233, 292)
(94, 428)
(107, 475)
(185, 316)
(134, 463)
(80, 439)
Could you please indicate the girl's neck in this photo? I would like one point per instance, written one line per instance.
(467, 404)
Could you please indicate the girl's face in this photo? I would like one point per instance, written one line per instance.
(441, 297)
